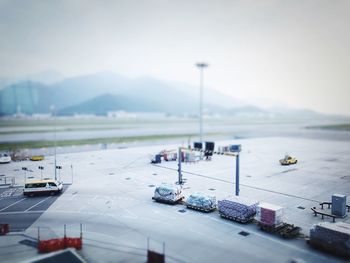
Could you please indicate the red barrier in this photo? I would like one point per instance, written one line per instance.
(45, 246)
(4, 229)
(76, 243)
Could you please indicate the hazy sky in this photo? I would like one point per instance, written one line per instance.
(296, 52)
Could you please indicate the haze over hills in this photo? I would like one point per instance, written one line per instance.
(103, 92)
(141, 94)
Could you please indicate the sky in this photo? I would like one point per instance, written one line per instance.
(294, 53)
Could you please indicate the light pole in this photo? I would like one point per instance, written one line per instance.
(25, 174)
(201, 66)
(59, 172)
(71, 169)
(41, 172)
(54, 124)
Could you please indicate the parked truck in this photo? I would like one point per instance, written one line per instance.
(331, 237)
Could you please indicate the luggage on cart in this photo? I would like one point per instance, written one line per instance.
(201, 201)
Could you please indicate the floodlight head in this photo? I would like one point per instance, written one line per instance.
(202, 65)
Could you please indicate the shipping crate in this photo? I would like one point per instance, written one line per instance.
(269, 214)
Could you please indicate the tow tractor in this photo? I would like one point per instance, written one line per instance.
(287, 160)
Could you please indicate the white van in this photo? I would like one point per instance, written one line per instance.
(48, 186)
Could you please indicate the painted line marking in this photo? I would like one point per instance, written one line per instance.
(12, 204)
(37, 203)
(20, 212)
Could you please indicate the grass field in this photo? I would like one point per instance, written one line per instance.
(46, 144)
(337, 127)
(164, 129)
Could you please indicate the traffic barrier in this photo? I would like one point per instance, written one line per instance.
(51, 245)
(4, 229)
(74, 242)
(154, 257)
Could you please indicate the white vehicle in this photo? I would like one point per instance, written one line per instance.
(5, 159)
(48, 186)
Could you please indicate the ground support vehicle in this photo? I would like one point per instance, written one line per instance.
(285, 230)
(288, 160)
(237, 219)
(200, 208)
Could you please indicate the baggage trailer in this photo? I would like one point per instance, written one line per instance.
(168, 194)
(201, 209)
(168, 201)
(285, 230)
(238, 219)
(201, 202)
(237, 209)
(331, 237)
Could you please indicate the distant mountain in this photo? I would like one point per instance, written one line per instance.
(101, 105)
(47, 77)
(102, 92)
(25, 97)
(4, 82)
(256, 112)
(34, 97)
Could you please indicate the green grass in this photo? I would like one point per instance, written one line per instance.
(337, 127)
(46, 144)
(64, 129)
(92, 121)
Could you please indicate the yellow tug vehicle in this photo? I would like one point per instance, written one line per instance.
(36, 158)
(288, 160)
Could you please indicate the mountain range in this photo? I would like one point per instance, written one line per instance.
(103, 92)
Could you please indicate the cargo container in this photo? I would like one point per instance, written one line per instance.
(201, 201)
(197, 145)
(223, 149)
(157, 159)
(237, 209)
(339, 205)
(192, 157)
(269, 214)
(209, 149)
(168, 194)
(331, 237)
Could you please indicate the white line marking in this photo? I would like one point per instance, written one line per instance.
(37, 204)
(20, 212)
(12, 204)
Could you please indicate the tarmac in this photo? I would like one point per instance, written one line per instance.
(110, 193)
